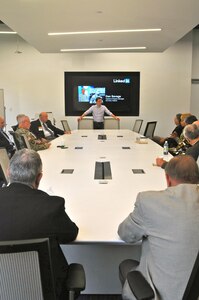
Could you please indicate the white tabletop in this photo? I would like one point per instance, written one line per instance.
(98, 208)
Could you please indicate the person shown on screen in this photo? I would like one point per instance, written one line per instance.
(94, 97)
(27, 212)
(98, 110)
(167, 223)
(83, 97)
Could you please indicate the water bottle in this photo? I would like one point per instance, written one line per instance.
(166, 148)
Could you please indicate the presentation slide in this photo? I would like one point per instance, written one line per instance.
(118, 90)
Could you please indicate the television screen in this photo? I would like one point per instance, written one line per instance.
(118, 90)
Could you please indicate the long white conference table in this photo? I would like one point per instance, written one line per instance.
(97, 206)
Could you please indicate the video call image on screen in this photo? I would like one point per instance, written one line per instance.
(118, 90)
(90, 93)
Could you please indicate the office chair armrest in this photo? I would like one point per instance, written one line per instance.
(139, 286)
(76, 280)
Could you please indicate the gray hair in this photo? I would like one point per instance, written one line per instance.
(18, 117)
(191, 132)
(22, 118)
(183, 168)
(24, 167)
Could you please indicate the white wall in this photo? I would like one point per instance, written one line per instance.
(34, 82)
(195, 74)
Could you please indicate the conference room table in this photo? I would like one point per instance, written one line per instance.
(98, 206)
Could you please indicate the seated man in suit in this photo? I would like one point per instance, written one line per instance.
(43, 128)
(23, 128)
(5, 141)
(26, 212)
(167, 223)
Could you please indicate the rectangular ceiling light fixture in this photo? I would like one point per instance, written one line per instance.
(105, 31)
(103, 49)
(8, 32)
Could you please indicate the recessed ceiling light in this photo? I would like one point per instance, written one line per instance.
(8, 32)
(105, 31)
(103, 49)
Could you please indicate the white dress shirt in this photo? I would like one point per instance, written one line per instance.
(98, 112)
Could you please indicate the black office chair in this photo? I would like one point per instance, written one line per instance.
(137, 125)
(21, 142)
(16, 141)
(25, 142)
(14, 127)
(142, 290)
(150, 128)
(65, 125)
(27, 273)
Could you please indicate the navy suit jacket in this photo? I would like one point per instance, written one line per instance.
(4, 143)
(38, 131)
(27, 213)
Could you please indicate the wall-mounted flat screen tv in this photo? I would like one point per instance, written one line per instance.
(120, 92)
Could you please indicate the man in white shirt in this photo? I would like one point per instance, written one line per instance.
(98, 110)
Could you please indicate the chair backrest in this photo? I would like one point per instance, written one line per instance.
(192, 288)
(14, 127)
(65, 125)
(4, 163)
(15, 139)
(111, 123)
(25, 141)
(85, 123)
(150, 128)
(137, 125)
(26, 270)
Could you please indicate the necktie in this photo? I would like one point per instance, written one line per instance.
(49, 130)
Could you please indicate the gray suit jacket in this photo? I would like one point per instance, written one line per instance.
(167, 222)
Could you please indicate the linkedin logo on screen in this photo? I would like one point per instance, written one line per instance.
(125, 80)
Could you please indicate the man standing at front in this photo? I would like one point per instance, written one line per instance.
(98, 110)
(167, 222)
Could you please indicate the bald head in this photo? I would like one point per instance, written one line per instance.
(196, 122)
(191, 133)
(43, 116)
(2, 122)
(182, 169)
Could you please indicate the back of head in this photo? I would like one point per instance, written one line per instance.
(191, 132)
(190, 119)
(183, 169)
(25, 165)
